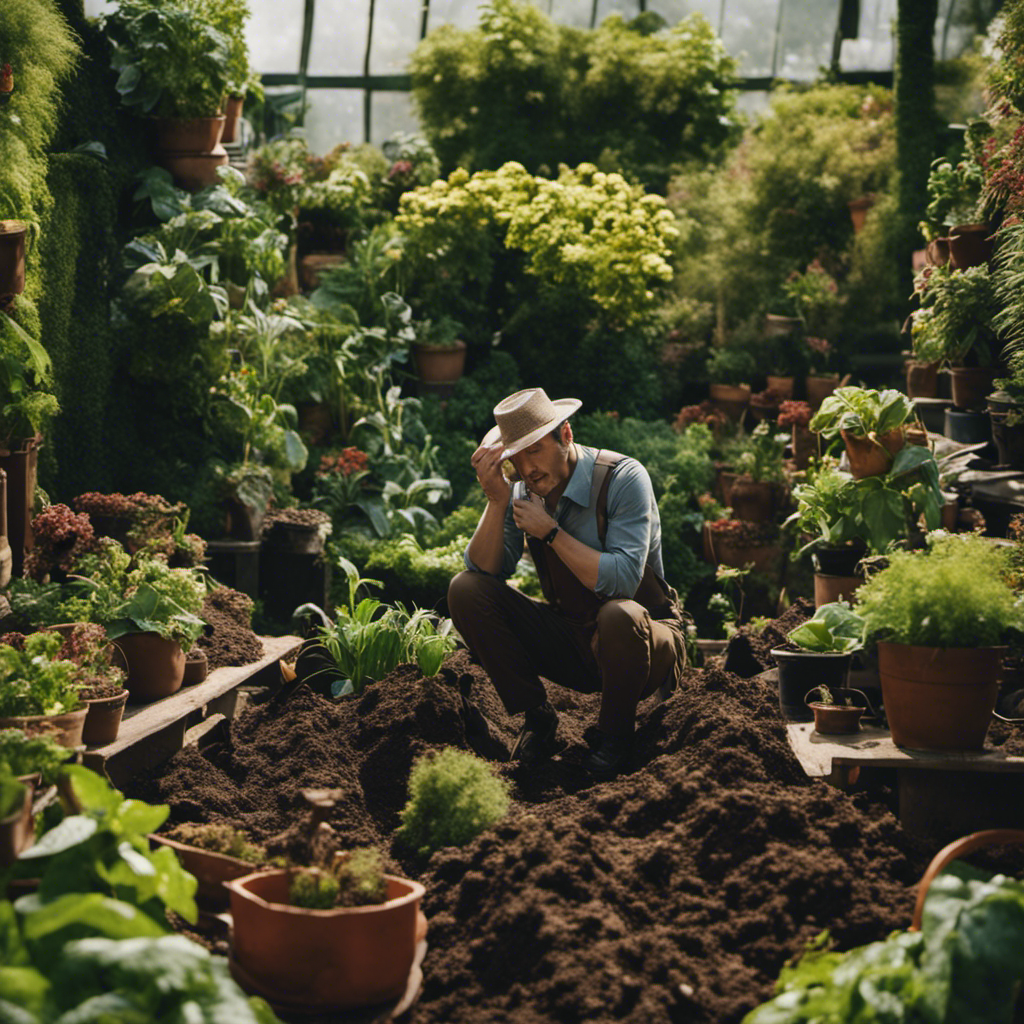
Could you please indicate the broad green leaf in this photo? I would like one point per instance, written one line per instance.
(139, 818)
(107, 1008)
(70, 832)
(15, 1013)
(24, 987)
(38, 359)
(110, 917)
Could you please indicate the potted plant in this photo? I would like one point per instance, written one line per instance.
(101, 682)
(16, 237)
(815, 296)
(173, 64)
(60, 538)
(836, 714)
(941, 619)
(330, 211)
(229, 18)
(730, 370)
(953, 224)
(759, 490)
(439, 353)
(33, 758)
(817, 653)
(741, 544)
(37, 688)
(955, 326)
(804, 443)
(327, 939)
(871, 424)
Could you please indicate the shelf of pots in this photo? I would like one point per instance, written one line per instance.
(439, 355)
(871, 423)
(955, 327)
(183, 92)
(954, 223)
(845, 518)
(941, 621)
(730, 369)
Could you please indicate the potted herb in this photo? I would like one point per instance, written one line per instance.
(804, 443)
(954, 224)
(730, 370)
(329, 938)
(941, 619)
(102, 682)
(871, 424)
(38, 688)
(817, 653)
(759, 490)
(955, 326)
(836, 714)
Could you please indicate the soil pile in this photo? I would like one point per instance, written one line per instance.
(230, 640)
(673, 893)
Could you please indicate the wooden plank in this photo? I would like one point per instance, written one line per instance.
(873, 747)
(151, 733)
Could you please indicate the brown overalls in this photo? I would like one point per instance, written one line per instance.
(625, 649)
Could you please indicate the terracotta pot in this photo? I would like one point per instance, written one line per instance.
(754, 501)
(971, 385)
(312, 265)
(324, 959)
(970, 245)
(922, 379)
(836, 719)
(67, 728)
(232, 113)
(188, 135)
(799, 671)
(732, 399)
(782, 386)
(103, 719)
(440, 366)
(859, 211)
(761, 409)
(197, 667)
(20, 463)
(939, 698)
(937, 252)
(804, 445)
(16, 831)
(828, 589)
(211, 870)
(195, 171)
(13, 234)
(819, 387)
(777, 326)
(156, 667)
(873, 457)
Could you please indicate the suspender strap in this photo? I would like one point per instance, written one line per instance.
(605, 462)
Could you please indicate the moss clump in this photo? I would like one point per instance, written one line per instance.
(355, 880)
(453, 797)
(220, 839)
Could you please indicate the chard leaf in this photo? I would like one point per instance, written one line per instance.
(112, 918)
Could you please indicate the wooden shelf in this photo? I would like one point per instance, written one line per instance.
(151, 733)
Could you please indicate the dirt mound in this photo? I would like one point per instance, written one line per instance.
(673, 893)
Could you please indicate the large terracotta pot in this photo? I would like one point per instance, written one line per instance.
(970, 245)
(819, 387)
(12, 257)
(195, 171)
(323, 959)
(232, 114)
(188, 135)
(922, 379)
(103, 719)
(872, 457)
(156, 667)
(211, 870)
(440, 366)
(939, 698)
(971, 385)
(732, 399)
(67, 728)
(20, 463)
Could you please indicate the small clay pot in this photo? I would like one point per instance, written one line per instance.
(782, 386)
(197, 667)
(872, 457)
(232, 114)
(836, 719)
(211, 870)
(103, 719)
(67, 728)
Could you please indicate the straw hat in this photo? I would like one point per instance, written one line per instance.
(526, 417)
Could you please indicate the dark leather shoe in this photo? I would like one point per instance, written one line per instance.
(536, 740)
(610, 756)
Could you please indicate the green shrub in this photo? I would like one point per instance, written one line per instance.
(453, 797)
(417, 575)
(953, 595)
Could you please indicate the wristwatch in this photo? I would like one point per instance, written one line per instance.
(551, 536)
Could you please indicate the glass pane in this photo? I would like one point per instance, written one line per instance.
(391, 112)
(461, 13)
(808, 30)
(673, 11)
(339, 37)
(334, 115)
(94, 8)
(749, 34)
(874, 48)
(275, 36)
(570, 12)
(396, 31)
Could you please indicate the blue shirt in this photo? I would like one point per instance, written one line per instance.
(633, 537)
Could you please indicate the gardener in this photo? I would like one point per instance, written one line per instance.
(610, 623)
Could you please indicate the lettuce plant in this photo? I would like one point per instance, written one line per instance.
(35, 681)
(834, 628)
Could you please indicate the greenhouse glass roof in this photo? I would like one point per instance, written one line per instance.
(356, 63)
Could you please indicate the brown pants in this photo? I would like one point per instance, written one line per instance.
(625, 655)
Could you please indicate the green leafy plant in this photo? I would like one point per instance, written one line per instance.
(956, 322)
(815, 296)
(954, 196)
(354, 879)
(760, 455)
(170, 59)
(36, 681)
(834, 628)
(26, 372)
(731, 365)
(368, 639)
(864, 412)
(952, 595)
(453, 797)
(21, 754)
(962, 966)
(219, 838)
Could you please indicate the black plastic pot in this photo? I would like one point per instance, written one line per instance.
(968, 427)
(841, 561)
(800, 672)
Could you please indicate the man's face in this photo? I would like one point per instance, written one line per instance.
(544, 465)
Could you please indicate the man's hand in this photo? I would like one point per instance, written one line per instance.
(486, 460)
(532, 516)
